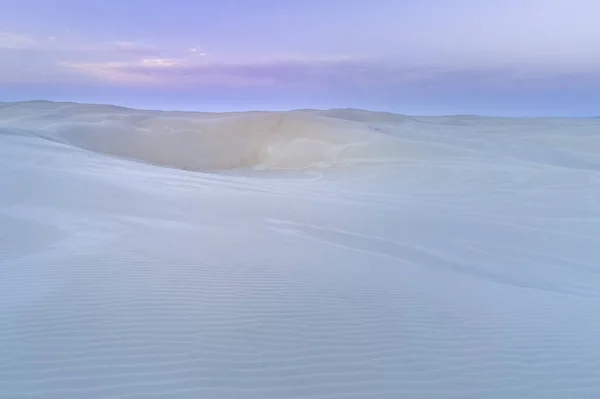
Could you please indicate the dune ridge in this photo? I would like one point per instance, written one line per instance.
(198, 141)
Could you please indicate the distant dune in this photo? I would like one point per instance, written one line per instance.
(256, 140)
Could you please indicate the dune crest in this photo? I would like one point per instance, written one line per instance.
(201, 142)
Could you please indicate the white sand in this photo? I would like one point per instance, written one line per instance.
(312, 254)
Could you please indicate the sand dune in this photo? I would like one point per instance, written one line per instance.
(306, 254)
(291, 140)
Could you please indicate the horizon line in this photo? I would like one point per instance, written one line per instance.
(126, 107)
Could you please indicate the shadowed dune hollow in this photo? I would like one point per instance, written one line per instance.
(208, 141)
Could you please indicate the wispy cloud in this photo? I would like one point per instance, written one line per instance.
(68, 45)
(34, 59)
(319, 72)
(14, 41)
(123, 72)
(291, 70)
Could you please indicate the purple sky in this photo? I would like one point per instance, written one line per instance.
(498, 57)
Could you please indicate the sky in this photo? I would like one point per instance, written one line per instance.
(491, 57)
